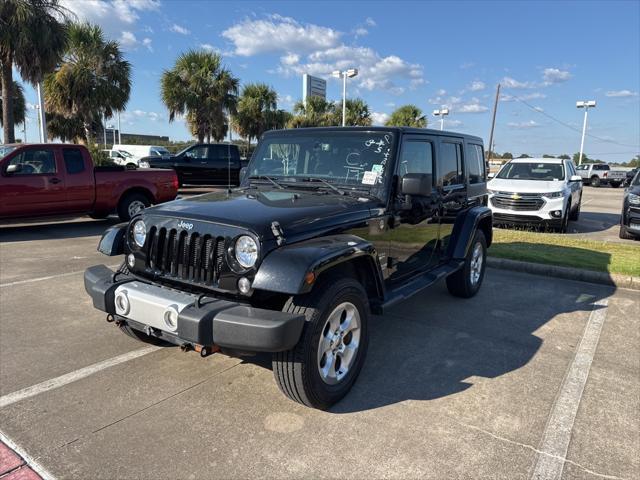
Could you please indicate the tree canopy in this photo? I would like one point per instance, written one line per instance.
(407, 116)
(19, 105)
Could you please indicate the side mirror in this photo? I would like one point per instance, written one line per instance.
(243, 173)
(418, 184)
(491, 175)
(11, 169)
(575, 178)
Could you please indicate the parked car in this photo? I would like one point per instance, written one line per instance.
(630, 218)
(202, 164)
(140, 151)
(120, 157)
(630, 174)
(597, 174)
(38, 180)
(536, 191)
(329, 226)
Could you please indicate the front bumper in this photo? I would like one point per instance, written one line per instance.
(200, 321)
(631, 219)
(542, 216)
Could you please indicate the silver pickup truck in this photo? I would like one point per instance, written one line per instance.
(596, 174)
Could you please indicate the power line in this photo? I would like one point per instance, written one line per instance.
(572, 127)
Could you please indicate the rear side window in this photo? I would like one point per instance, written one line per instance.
(601, 167)
(450, 164)
(73, 161)
(475, 161)
(417, 157)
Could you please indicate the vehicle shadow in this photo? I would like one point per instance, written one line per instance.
(55, 230)
(437, 345)
(591, 222)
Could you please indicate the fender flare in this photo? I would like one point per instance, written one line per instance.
(112, 240)
(284, 269)
(464, 230)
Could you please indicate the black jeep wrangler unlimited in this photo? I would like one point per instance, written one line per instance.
(328, 226)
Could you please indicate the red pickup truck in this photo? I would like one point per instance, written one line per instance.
(61, 179)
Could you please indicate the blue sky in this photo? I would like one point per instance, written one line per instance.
(432, 54)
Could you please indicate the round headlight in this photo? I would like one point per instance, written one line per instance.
(139, 233)
(246, 251)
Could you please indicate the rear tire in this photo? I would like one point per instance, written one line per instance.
(323, 366)
(131, 204)
(467, 281)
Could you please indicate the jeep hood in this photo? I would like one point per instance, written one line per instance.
(299, 213)
(525, 186)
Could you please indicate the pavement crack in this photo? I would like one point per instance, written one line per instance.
(540, 452)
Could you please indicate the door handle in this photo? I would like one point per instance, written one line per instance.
(54, 180)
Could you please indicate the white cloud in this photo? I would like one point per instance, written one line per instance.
(441, 92)
(113, 16)
(374, 71)
(146, 42)
(285, 101)
(128, 40)
(523, 125)
(555, 75)
(360, 32)
(209, 47)
(279, 34)
(290, 59)
(140, 114)
(453, 123)
(508, 82)
(477, 86)
(379, 118)
(467, 65)
(179, 29)
(621, 93)
(473, 107)
(370, 22)
(505, 97)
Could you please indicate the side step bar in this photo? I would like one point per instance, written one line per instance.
(419, 283)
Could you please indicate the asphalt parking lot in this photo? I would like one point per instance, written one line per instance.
(600, 214)
(532, 378)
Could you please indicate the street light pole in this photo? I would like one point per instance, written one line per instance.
(352, 72)
(42, 121)
(441, 113)
(119, 132)
(586, 105)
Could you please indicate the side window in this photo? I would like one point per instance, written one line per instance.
(450, 164)
(417, 157)
(475, 161)
(35, 162)
(73, 161)
(199, 153)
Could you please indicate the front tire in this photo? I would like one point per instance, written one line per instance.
(624, 233)
(323, 366)
(595, 181)
(466, 282)
(575, 214)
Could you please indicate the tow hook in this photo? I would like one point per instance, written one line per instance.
(110, 318)
(185, 347)
(120, 322)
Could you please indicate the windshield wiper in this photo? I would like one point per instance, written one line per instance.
(324, 182)
(266, 177)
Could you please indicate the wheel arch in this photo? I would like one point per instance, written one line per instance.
(464, 228)
(142, 190)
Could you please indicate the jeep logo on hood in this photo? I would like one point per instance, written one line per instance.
(185, 225)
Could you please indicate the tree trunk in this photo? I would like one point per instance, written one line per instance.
(87, 133)
(7, 100)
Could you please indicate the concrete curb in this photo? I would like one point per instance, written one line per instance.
(569, 273)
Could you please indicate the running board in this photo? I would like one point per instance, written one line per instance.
(419, 283)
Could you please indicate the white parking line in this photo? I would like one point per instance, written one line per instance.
(72, 376)
(557, 434)
(40, 279)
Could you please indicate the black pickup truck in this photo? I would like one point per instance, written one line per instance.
(202, 164)
(328, 226)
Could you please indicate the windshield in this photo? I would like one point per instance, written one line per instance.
(636, 179)
(532, 171)
(350, 158)
(6, 150)
(160, 151)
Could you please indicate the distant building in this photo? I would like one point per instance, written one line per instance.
(133, 138)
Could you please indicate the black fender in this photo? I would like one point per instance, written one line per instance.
(112, 241)
(285, 269)
(464, 229)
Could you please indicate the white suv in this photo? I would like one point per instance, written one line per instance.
(536, 191)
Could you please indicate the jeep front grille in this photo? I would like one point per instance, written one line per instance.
(521, 202)
(189, 257)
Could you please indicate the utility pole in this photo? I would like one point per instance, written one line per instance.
(493, 122)
(24, 130)
(119, 132)
(104, 130)
(586, 105)
(42, 121)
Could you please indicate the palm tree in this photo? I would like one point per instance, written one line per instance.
(200, 88)
(357, 113)
(32, 38)
(68, 129)
(19, 105)
(92, 80)
(257, 111)
(317, 112)
(407, 116)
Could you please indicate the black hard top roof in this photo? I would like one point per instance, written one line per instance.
(399, 130)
